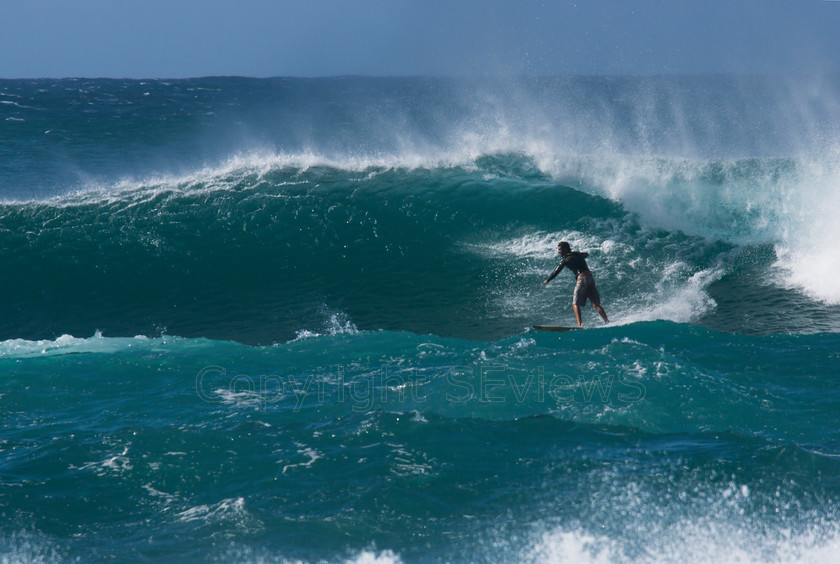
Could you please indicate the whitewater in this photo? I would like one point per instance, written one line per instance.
(289, 320)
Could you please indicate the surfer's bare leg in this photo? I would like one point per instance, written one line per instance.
(577, 314)
(601, 312)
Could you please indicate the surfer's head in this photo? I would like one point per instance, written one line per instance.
(563, 248)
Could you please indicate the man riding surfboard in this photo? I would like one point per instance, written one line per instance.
(584, 281)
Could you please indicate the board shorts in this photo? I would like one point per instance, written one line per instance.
(585, 289)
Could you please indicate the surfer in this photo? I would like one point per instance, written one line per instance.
(585, 282)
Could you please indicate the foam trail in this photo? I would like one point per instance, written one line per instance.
(682, 299)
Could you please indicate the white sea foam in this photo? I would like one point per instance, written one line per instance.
(807, 247)
(26, 547)
(543, 243)
(679, 298)
(337, 323)
(67, 344)
(97, 344)
(369, 557)
(247, 171)
(244, 397)
(230, 510)
(258, 556)
(580, 548)
(117, 463)
(698, 542)
(311, 455)
(653, 523)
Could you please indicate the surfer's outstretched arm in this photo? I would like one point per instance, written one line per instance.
(555, 273)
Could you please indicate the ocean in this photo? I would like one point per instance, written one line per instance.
(289, 320)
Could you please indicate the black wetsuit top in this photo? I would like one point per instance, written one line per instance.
(574, 261)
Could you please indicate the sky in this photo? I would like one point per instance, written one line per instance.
(190, 38)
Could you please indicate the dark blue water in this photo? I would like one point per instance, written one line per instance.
(289, 320)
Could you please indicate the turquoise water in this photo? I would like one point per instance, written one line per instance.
(289, 320)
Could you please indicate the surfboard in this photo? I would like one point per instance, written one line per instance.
(555, 328)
